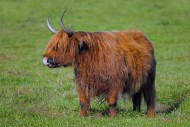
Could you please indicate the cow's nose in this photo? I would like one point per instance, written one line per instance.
(45, 61)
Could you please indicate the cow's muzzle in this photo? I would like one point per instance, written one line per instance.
(50, 62)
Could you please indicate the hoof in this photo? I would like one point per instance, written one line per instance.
(112, 113)
(150, 113)
(83, 114)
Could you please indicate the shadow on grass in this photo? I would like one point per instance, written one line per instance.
(120, 111)
(160, 109)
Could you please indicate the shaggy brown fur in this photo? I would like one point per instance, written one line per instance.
(107, 63)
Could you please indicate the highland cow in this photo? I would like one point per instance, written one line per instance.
(106, 63)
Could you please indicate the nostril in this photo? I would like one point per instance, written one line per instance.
(49, 60)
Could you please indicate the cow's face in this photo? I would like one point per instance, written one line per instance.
(59, 51)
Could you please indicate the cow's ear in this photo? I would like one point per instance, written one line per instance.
(83, 46)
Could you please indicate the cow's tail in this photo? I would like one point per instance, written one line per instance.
(162, 108)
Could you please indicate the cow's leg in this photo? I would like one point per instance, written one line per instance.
(150, 94)
(112, 101)
(137, 101)
(149, 97)
(84, 103)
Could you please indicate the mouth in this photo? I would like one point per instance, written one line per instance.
(50, 63)
(53, 65)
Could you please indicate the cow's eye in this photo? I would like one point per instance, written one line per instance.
(56, 46)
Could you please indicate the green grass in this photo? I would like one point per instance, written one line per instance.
(34, 95)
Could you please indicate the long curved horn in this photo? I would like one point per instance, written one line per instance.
(69, 32)
(49, 26)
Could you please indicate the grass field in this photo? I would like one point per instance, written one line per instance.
(34, 95)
